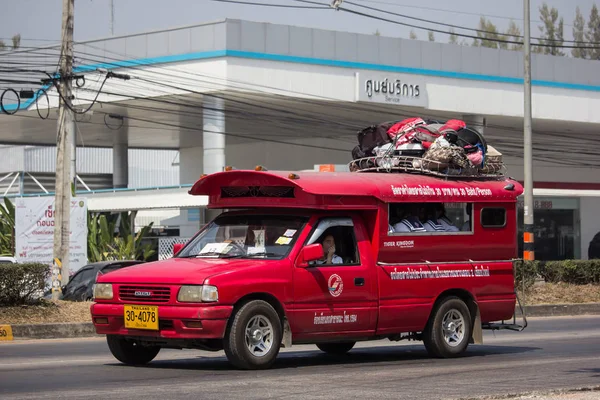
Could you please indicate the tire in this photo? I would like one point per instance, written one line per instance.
(336, 348)
(237, 343)
(129, 352)
(443, 344)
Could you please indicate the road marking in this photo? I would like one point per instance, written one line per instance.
(6, 332)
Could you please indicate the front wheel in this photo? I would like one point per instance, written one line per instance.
(336, 348)
(449, 329)
(253, 336)
(130, 352)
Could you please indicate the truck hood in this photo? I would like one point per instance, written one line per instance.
(179, 271)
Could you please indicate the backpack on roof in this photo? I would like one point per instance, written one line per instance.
(373, 136)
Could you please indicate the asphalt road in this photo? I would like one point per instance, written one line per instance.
(552, 353)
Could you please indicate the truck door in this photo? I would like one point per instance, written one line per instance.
(341, 296)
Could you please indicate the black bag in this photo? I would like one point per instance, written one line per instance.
(358, 153)
(468, 136)
(374, 136)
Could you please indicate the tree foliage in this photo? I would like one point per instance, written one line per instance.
(552, 31)
(593, 33)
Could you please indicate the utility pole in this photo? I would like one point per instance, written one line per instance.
(62, 201)
(528, 237)
(112, 17)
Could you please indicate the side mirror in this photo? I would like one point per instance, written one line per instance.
(312, 252)
(177, 248)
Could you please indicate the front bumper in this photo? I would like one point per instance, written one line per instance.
(174, 321)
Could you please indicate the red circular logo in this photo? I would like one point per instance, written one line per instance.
(336, 285)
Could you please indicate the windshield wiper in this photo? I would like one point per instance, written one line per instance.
(263, 254)
(212, 253)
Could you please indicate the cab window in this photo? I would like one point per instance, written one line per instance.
(429, 218)
(493, 217)
(338, 239)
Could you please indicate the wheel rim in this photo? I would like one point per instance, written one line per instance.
(453, 326)
(259, 335)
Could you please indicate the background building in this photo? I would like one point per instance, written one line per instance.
(242, 93)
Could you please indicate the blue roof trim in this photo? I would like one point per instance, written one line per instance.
(152, 61)
(312, 61)
(407, 70)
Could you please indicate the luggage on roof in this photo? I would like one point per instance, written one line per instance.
(449, 148)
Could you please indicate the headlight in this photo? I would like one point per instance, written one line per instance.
(103, 291)
(197, 294)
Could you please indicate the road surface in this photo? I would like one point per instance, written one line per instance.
(552, 353)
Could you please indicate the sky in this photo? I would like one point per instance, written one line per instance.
(39, 21)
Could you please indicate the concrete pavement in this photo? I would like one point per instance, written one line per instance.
(553, 353)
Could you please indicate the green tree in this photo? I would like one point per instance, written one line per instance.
(2, 45)
(593, 33)
(579, 36)
(412, 35)
(377, 33)
(7, 229)
(551, 31)
(489, 37)
(430, 36)
(453, 39)
(513, 33)
(111, 238)
(16, 41)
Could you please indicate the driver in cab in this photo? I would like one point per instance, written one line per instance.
(329, 256)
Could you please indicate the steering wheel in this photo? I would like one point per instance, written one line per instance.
(239, 250)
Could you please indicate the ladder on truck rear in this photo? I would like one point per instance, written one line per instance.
(512, 325)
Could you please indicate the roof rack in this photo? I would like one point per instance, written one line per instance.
(418, 165)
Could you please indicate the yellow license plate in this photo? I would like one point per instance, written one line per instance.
(141, 317)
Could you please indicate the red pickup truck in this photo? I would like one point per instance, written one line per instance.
(323, 258)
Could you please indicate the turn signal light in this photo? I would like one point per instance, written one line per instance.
(203, 176)
(228, 168)
(102, 321)
(193, 324)
(260, 168)
(293, 176)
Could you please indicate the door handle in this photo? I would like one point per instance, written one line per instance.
(359, 281)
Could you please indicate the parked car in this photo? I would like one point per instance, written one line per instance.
(81, 285)
(8, 260)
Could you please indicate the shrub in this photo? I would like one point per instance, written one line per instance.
(577, 272)
(22, 283)
(526, 272)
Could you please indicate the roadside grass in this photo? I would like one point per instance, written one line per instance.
(47, 312)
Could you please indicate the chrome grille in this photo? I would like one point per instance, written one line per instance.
(145, 294)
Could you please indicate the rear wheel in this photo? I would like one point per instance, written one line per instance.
(336, 348)
(449, 329)
(253, 336)
(130, 352)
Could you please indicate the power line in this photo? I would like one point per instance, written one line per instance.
(453, 11)
(270, 5)
(462, 27)
(560, 135)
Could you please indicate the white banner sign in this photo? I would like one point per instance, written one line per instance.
(34, 231)
(397, 89)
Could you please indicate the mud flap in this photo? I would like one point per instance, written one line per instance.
(477, 335)
(286, 339)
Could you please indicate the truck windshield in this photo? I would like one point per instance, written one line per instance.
(246, 236)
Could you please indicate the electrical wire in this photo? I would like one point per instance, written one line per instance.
(270, 5)
(462, 27)
(517, 130)
(37, 105)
